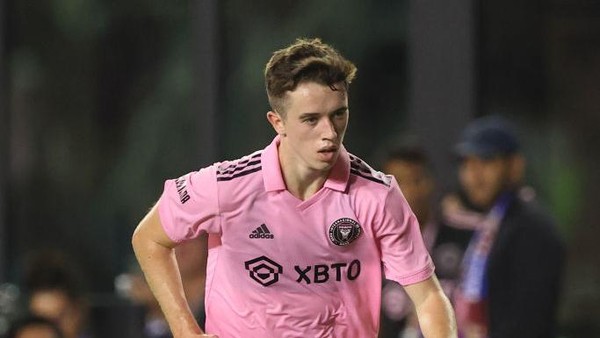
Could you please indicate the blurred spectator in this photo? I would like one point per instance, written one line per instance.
(34, 327)
(411, 168)
(133, 286)
(510, 277)
(192, 266)
(55, 292)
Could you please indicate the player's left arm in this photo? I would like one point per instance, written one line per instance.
(436, 316)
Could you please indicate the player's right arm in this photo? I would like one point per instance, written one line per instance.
(155, 254)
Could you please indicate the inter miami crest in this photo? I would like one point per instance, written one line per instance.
(344, 231)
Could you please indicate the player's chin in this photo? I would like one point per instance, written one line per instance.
(321, 165)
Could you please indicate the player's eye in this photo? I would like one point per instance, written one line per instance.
(340, 113)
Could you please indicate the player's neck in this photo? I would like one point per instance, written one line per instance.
(301, 181)
(303, 187)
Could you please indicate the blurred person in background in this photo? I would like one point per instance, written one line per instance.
(133, 286)
(55, 292)
(34, 327)
(510, 277)
(410, 165)
(191, 259)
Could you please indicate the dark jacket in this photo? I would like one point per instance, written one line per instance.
(524, 271)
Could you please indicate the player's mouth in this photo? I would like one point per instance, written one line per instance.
(328, 153)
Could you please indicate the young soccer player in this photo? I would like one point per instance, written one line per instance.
(300, 231)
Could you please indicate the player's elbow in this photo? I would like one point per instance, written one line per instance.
(149, 236)
(141, 237)
(137, 239)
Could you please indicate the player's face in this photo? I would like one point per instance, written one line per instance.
(484, 179)
(313, 126)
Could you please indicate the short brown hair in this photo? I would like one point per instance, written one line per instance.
(305, 60)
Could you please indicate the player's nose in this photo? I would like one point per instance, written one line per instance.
(328, 129)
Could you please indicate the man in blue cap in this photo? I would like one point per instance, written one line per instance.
(508, 284)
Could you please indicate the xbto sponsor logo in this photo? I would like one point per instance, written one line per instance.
(266, 271)
(321, 273)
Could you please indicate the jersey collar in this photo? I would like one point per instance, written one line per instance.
(273, 179)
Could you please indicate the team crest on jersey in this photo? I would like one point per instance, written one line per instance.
(344, 231)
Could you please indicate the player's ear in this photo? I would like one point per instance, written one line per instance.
(276, 121)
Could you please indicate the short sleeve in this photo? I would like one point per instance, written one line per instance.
(189, 205)
(403, 252)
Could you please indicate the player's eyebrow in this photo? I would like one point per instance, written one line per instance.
(340, 110)
(307, 115)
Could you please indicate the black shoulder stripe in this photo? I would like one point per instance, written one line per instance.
(238, 174)
(243, 160)
(355, 159)
(368, 177)
(361, 167)
(241, 163)
(233, 169)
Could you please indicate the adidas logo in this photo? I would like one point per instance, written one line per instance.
(261, 232)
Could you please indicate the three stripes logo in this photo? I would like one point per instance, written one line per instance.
(261, 232)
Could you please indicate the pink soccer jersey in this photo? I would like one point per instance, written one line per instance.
(282, 267)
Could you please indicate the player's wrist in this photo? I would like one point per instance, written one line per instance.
(186, 329)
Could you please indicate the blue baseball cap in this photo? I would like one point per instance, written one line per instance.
(487, 137)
